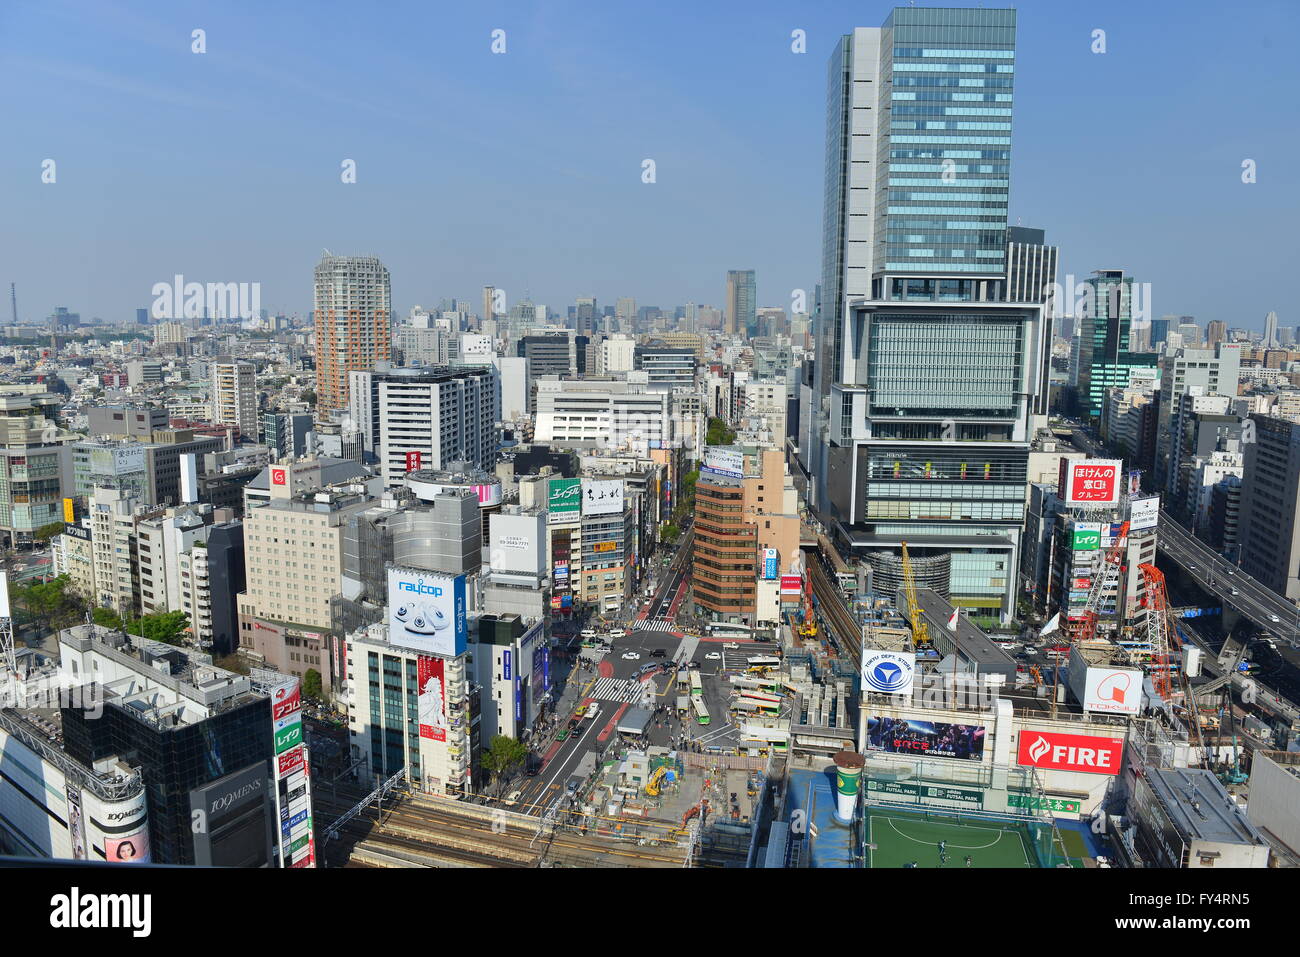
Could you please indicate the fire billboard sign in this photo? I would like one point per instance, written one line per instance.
(1090, 481)
(1113, 691)
(1070, 752)
(426, 612)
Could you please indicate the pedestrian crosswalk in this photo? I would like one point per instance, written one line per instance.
(617, 689)
(654, 624)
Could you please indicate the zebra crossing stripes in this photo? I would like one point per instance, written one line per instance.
(617, 689)
(654, 624)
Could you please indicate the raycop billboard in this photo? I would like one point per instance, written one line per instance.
(426, 612)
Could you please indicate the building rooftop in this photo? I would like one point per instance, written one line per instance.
(1200, 807)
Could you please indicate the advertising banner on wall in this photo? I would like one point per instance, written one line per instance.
(1112, 690)
(76, 823)
(771, 563)
(925, 738)
(1087, 537)
(426, 612)
(1144, 513)
(292, 775)
(1090, 481)
(413, 461)
(791, 584)
(564, 500)
(1070, 752)
(602, 496)
(728, 462)
(432, 703)
(888, 672)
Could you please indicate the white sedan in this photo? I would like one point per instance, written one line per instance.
(713, 656)
(631, 656)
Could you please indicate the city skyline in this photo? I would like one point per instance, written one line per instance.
(130, 116)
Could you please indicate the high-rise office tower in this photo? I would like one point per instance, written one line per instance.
(234, 395)
(489, 303)
(1216, 331)
(742, 309)
(926, 375)
(1270, 330)
(353, 303)
(625, 313)
(1031, 276)
(1106, 354)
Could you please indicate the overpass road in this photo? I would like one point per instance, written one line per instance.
(1233, 587)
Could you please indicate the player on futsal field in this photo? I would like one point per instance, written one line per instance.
(968, 860)
(943, 847)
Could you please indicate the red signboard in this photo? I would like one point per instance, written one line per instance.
(1090, 481)
(413, 461)
(286, 701)
(1070, 752)
(278, 476)
(291, 760)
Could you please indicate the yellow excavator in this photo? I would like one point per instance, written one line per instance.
(655, 784)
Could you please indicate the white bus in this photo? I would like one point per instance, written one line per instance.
(760, 663)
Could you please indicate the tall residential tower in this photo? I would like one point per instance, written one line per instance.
(353, 306)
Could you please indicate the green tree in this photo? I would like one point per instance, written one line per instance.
(46, 532)
(502, 757)
(50, 602)
(166, 626)
(107, 618)
(308, 396)
(311, 686)
(670, 533)
(719, 434)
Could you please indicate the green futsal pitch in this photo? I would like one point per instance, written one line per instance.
(896, 839)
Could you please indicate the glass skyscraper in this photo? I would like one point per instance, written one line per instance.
(925, 375)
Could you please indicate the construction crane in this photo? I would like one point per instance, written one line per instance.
(920, 633)
(1107, 574)
(1162, 632)
(1162, 635)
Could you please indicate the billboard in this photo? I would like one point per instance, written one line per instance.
(791, 584)
(69, 513)
(133, 847)
(771, 563)
(279, 477)
(888, 672)
(729, 462)
(602, 496)
(1090, 481)
(430, 675)
(1113, 691)
(564, 500)
(1144, 513)
(426, 612)
(413, 461)
(925, 738)
(1070, 752)
(1087, 537)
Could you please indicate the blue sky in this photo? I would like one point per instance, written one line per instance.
(523, 170)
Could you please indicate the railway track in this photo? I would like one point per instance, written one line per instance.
(831, 606)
